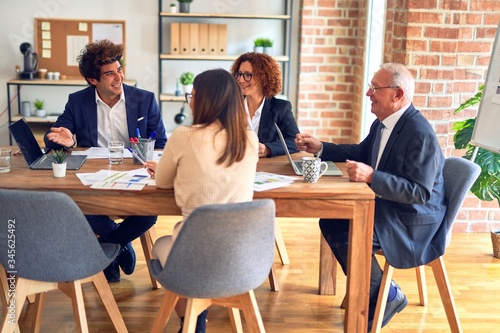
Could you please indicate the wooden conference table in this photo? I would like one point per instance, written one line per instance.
(330, 197)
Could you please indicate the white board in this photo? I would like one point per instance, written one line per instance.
(487, 128)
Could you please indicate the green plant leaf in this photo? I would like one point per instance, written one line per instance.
(258, 42)
(186, 78)
(59, 155)
(267, 42)
(463, 133)
(487, 187)
(489, 161)
(39, 103)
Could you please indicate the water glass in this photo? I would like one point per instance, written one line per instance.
(5, 156)
(115, 152)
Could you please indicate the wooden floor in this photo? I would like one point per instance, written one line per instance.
(474, 275)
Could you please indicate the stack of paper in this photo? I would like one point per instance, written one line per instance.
(117, 180)
(266, 181)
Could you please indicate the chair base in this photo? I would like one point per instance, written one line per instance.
(443, 284)
(25, 287)
(245, 302)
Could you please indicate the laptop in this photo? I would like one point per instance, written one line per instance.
(33, 154)
(333, 170)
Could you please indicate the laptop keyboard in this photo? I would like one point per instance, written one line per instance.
(44, 163)
(298, 164)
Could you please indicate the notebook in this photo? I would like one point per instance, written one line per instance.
(297, 165)
(33, 154)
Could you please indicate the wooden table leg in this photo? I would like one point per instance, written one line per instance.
(359, 267)
(327, 269)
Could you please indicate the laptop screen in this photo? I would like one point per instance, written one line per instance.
(26, 141)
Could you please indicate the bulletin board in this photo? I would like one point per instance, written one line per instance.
(59, 41)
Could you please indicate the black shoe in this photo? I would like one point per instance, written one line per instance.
(201, 323)
(395, 306)
(126, 259)
(112, 272)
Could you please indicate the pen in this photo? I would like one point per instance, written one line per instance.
(138, 158)
(138, 133)
(152, 135)
(135, 155)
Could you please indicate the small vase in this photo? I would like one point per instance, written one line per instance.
(269, 50)
(183, 7)
(187, 88)
(173, 9)
(40, 113)
(59, 169)
(26, 109)
(258, 49)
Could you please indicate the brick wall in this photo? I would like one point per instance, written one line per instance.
(328, 63)
(445, 43)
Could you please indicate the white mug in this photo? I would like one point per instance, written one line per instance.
(313, 168)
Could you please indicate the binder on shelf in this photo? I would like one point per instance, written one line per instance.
(213, 33)
(193, 38)
(174, 38)
(221, 39)
(203, 39)
(184, 39)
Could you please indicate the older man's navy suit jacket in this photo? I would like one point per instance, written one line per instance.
(410, 201)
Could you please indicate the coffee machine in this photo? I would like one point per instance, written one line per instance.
(30, 62)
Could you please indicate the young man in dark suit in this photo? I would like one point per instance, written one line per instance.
(109, 110)
(402, 161)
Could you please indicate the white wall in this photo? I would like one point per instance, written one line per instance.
(141, 55)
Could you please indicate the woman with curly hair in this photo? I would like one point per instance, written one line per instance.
(259, 77)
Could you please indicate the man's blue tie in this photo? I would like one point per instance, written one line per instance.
(376, 144)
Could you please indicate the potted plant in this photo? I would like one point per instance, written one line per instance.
(184, 5)
(186, 80)
(268, 46)
(39, 107)
(487, 185)
(173, 8)
(258, 45)
(59, 164)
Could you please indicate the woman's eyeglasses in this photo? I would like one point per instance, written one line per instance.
(188, 97)
(246, 76)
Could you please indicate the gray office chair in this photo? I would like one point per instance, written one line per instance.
(221, 254)
(47, 243)
(459, 176)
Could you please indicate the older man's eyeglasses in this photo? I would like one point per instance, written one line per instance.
(246, 76)
(372, 89)
(188, 97)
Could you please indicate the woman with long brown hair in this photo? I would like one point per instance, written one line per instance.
(212, 161)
